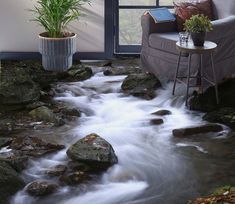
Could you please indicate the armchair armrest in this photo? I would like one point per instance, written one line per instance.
(222, 28)
(149, 26)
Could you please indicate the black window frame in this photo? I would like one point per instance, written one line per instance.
(128, 49)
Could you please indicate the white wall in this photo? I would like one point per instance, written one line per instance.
(19, 34)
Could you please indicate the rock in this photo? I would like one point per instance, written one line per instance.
(45, 114)
(75, 178)
(141, 85)
(41, 188)
(97, 64)
(18, 163)
(78, 166)
(33, 146)
(110, 71)
(37, 73)
(157, 121)
(6, 126)
(68, 111)
(224, 195)
(10, 182)
(5, 141)
(162, 112)
(206, 102)
(79, 73)
(93, 151)
(126, 63)
(183, 132)
(57, 170)
(17, 87)
(35, 105)
(223, 115)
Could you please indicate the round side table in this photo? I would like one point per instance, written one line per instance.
(190, 49)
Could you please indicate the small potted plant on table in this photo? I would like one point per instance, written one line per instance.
(55, 44)
(197, 26)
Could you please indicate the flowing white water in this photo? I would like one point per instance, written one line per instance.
(149, 170)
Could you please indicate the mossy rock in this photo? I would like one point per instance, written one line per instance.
(10, 182)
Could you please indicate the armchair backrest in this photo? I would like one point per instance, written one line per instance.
(223, 8)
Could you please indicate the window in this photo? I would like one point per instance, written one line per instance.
(128, 25)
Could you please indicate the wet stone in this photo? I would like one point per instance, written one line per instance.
(41, 188)
(71, 112)
(223, 195)
(33, 146)
(5, 141)
(6, 126)
(206, 102)
(18, 163)
(93, 151)
(10, 182)
(111, 71)
(162, 112)
(79, 73)
(184, 132)
(17, 87)
(35, 105)
(57, 170)
(157, 121)
(75, 178)
(78, 166)
(223, 115)
(141, 85)
(45, 114)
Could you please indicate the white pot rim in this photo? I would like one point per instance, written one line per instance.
(73, 35)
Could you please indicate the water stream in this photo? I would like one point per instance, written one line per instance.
(153, 167)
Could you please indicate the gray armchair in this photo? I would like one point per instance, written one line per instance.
(159, 54)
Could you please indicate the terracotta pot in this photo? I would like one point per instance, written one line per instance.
(57, 53)
(198, 38)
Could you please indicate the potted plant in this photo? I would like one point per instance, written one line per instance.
(56, 45)
(198, 25)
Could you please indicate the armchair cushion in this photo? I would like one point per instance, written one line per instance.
(223, 8)
(185, 9)
(164, 41)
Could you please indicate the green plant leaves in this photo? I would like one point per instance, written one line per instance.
(55, 15)
(198, 23)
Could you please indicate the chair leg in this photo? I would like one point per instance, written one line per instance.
(215, 80)
(176, 74)
(188, 78)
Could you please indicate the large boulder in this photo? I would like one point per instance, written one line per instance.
(10, 182)
(141, 85)
(94, 151)
(223, 115)
(188, 131)
(17, 87)
(41, 188)
(206, 102)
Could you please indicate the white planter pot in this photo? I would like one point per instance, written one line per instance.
(57, 53)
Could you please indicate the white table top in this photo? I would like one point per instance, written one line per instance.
(190, 48)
